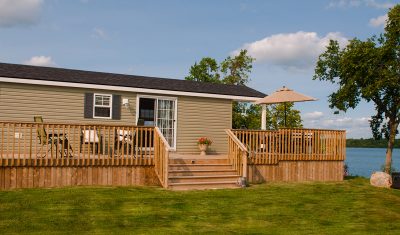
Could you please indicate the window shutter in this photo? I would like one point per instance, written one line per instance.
(88, 105)
(116, 107)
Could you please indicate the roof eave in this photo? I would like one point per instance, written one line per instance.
(129, 89)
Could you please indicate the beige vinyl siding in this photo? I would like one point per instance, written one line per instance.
(196, 117)
(199, 117)
(20, 102)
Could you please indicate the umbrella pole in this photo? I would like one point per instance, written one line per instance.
(284, 105)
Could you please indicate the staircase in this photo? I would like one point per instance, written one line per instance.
(186, 172)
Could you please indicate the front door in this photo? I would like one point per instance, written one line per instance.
(159, 112)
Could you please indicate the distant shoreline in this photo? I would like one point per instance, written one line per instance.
(370, 143)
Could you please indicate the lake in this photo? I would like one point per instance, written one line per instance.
(364, 161)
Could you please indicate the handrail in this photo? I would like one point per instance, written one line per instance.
(288, 128)
(45, 144)
(161, 156)
(237, 154)
(74, 124)
(236, 140)
(272, 146)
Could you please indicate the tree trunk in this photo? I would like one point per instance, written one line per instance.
(393, 128)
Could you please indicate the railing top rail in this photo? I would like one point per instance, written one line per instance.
(296, 129)
(76, 124)
(236, 140)
(162, 138)
(311, 129)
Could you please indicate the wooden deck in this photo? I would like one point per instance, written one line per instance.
(56, 155)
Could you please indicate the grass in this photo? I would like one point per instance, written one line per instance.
(352, 207)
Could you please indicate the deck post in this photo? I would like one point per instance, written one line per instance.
(264, 117)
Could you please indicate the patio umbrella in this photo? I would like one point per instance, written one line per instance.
(284, 95)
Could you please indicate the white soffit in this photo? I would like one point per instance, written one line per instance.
(129, 89)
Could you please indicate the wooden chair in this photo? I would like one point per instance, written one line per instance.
(50, 140)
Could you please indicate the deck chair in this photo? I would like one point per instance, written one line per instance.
(51, 140)
(91, 138)
(124, 141)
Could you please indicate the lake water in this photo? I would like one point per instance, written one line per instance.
(364, 161)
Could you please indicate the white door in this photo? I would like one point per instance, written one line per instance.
(166, 119)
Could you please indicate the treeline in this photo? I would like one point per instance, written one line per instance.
(370, 143)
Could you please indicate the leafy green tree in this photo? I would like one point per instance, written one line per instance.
(246, 115)
(236, 70)
(368, 70)
(207, 70)
(249, 116)
(276, 117)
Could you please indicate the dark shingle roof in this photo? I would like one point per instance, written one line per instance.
(122, 80)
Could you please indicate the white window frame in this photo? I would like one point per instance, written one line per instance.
(175, 99)
(102, 106)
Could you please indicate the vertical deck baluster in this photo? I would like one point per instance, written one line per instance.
(24, 136)
(2, 145)
(19, 144)
(13, 146)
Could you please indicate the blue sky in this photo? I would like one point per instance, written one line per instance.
(164, 38)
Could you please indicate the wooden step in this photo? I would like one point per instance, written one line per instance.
(199, 161)
(204, 185)
(193, 167)
(192, 171)
(203, 172)
(204, 178)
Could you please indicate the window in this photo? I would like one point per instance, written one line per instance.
(102, 106)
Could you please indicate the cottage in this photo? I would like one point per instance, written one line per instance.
(183, 110)
(106, 129)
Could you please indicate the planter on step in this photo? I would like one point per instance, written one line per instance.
(203, 149)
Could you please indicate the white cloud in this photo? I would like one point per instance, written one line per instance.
(19, 12)
(344, 3)
(41, 61)
(379, 5)
(358, 3)
(313, 115)
(378, 21)
(346, 122)
(99, 33)
(355, 127)
(296, 51)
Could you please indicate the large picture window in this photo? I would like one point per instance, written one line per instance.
(102, 105)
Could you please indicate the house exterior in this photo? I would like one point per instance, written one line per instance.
(183, 110)
(114, 129)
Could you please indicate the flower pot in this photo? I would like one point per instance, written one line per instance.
(203, 149)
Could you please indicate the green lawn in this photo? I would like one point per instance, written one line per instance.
(349, 207)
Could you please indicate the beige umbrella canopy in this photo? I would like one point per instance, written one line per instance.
(284, 95)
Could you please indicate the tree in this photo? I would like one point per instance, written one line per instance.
(236, 70)
(246, 115)
(205, 71)
(368, 70)
(276, 117)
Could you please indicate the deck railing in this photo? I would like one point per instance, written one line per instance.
(237, 154)
(269, 147)
(161, 157)
(53, 144)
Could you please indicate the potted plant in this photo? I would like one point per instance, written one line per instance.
(203, 144)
